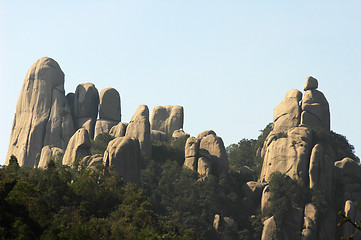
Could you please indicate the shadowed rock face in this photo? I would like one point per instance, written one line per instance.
(123, 156)
(86, 101)
(167, 119)
(43, 116)
(109, 108)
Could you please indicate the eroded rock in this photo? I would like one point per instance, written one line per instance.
(37, 120)
(123, 156)
(78, 147)
(167, 119)
(109, 107)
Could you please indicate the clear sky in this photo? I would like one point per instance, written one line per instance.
(228, 63)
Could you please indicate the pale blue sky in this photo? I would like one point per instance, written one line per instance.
(229, 63)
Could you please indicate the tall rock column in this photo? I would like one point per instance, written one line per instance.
(109, 111)
(86, 101)
(42, 114)
(139, 128)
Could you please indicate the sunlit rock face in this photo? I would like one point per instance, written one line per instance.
(43, 116)
(287, 114)
(78, 146)
(287, 153)
(315, 108)
(167, 119)
(206, 154)
(124, 157)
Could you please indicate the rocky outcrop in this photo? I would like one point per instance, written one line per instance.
(309, 230)
(288, 153)
(208, 148)
(49, 153)
(215, 147)
(42, 113)
(78, 147)
(86, 101)
(167, 119)
(103, 126)
(139, 128)
(91, 162)
(109, 107)
(315, 108)
(269, 229)
(109, 111)
(191, 153)
(287, 114)
(123, 156)
(118, 130)
(180, 134)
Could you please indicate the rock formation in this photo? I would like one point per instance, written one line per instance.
(109, 111)
(206, 154)
(118, 130)
(287, 114)
(139, 128)
(85, 107)
(180, 134)
(90, 162)
(78, 147)
(123, 156)
(42, 115)
(315, 109)
(191, 153)
(49, 153)
(167, 119)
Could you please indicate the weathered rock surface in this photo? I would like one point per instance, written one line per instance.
(191, 153)
(287, 154)
(118, 130)
(109, 108)
(90, 162)
(78, 147)
(287, 114)
(167, 119)
(206, 133)
(123, 155)
(49, 153)
(88, 123)
(315, 109)
(86, 101)
(215, 147)
(321, 170)
(37, 121)
(158, 136)
(180, 134)
(266, 198)
(310, 84)
(139, 128)
(103, 126)
(269, 229)
(309, 230)
(204, 166)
